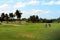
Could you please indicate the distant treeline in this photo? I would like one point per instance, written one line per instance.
(33, 18)
(36, 19)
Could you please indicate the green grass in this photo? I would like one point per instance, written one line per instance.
(30, 31)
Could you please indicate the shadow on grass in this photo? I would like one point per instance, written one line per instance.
(51, 34)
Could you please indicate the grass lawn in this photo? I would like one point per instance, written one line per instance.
(30, 31)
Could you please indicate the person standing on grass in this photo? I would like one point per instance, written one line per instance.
(47, 25)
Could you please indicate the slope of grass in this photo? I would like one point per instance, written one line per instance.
(30, 31)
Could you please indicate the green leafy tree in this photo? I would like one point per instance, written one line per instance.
(2, 17)
(32, 19)
(6, 18)
(37, 18)
(18, 14)
(11, 15)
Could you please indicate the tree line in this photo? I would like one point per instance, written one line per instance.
(10, 16)
(36, 19)
(32, 18)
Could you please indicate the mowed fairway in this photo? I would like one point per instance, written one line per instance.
(30, 31)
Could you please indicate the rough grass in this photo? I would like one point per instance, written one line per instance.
(30, 31)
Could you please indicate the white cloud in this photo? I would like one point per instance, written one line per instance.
(33, 2)
(57, 2)
(11, 0)
(4, 6)
(48, 3)
(24, 4)
(19, 5)
(36, 2)
(38, 11)
(35, 12)
(51, 3)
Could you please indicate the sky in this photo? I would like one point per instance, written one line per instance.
(43, 8)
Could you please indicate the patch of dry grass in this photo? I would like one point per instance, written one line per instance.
(28, 35)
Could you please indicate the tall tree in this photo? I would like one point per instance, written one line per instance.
(6, 18)
(37, 18)
(32, 19)
(18, 14)
(2, 17)
(11, 15)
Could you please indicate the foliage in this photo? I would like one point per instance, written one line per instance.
(32, 18)
(18, 14)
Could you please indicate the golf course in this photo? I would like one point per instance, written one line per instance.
(29, 31)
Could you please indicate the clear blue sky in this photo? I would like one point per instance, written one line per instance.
(43, 8)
